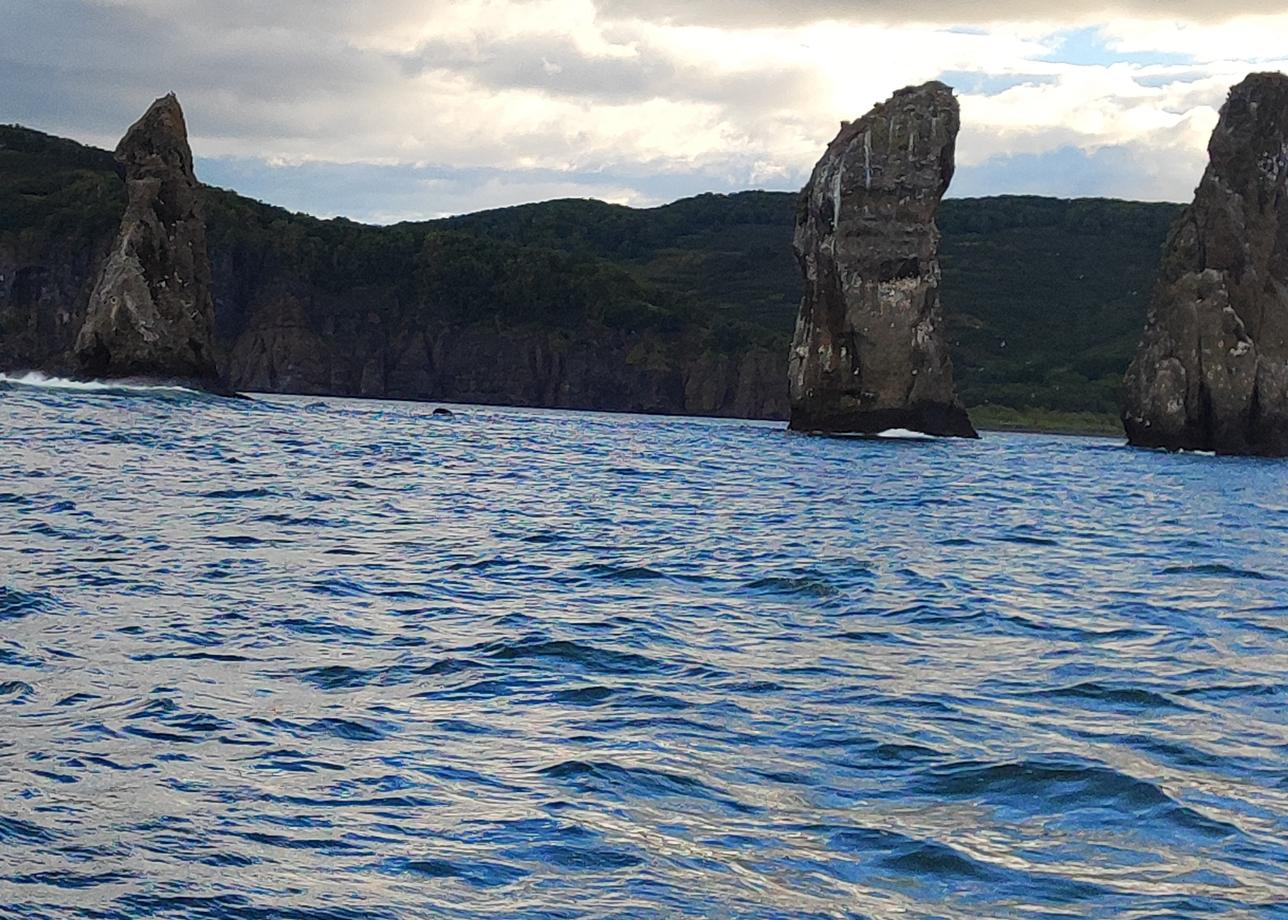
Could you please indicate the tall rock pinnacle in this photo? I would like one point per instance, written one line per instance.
(151, 313)
(869, 352)
(1211, 372)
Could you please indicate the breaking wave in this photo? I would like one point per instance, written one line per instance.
(43, 381)
(905, 434)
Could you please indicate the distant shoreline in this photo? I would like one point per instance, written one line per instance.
(1046, 421)
(686, 308)
(996, 419)
(1064, 432)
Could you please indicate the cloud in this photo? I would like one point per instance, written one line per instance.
(744, 13)
(635, 101)
(1132, 171)
(391, 193)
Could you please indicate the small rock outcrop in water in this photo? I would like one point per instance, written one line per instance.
(151, 314)
(1211, 372)
(869, 352)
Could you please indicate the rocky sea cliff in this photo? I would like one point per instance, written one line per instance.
(686, 308)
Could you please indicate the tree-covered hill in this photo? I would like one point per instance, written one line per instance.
(687, 307)
(1045, 296)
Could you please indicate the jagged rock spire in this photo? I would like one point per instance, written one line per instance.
(1211, 372)
(869, 352)
(151, 314)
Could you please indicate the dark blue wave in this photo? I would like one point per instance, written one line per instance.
(285, 659)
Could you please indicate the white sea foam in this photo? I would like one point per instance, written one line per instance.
(37, 379)
(905, 434)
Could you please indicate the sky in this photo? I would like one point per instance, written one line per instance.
(388, 110)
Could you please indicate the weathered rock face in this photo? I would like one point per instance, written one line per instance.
(869, 352)
(1211, 372)
(150, 313)
(286, 348)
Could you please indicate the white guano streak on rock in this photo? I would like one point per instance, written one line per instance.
(836, 195)
(867, 159)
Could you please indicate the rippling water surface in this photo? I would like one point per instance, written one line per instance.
(301, 660)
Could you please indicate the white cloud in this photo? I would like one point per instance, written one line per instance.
(737, 93)
(899, 12)
(1246, 38)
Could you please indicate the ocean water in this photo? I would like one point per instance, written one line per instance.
(298, 659)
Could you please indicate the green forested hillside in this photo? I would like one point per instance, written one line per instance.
(1045, 297)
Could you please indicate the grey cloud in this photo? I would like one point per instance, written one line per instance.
(547, 63)
(1130, 171)
(289, 78)
(558, 67)
(284, 70)
(95, 68)
(780, 13)
(383, 194)
(247, 17)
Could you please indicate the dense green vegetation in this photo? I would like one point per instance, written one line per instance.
(1045, 297)
(51, 187)
(466, 281)
(1005, 418)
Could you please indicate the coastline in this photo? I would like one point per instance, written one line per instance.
(1045, 421)
(991, 418)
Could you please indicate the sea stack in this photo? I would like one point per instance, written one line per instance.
(151, 314)
(1211, 372)
(869, 352)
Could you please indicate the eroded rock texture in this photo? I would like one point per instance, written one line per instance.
(150, 314)
(869, 353)
(1211, 372)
